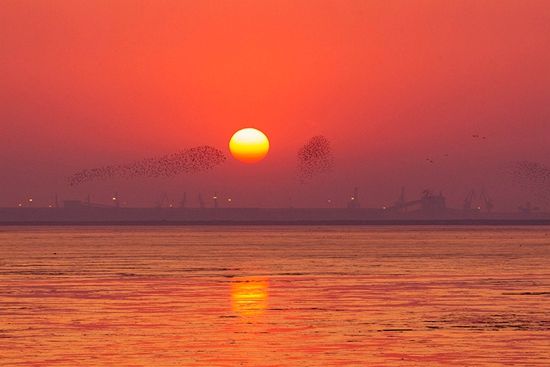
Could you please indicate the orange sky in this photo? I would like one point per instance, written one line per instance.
(388, 82)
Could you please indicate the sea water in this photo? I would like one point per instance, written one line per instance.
(274, 296)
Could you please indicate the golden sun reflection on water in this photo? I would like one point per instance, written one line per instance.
(249, 296)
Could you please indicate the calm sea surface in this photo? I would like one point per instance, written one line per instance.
(275, 296)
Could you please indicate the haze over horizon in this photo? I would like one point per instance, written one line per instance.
(420, 94)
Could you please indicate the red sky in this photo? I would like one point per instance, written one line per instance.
(390, 83)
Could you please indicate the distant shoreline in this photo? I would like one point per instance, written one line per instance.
(93, 216)
(461, 222)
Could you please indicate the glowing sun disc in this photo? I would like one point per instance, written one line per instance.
(249, 145)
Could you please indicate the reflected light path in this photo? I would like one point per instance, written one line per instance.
(249, 296)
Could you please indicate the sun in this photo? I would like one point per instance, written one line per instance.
(249, 145)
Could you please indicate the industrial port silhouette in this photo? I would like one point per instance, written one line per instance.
(429, 208)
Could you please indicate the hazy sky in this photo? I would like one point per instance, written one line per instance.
(389, 83)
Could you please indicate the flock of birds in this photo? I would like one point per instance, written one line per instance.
(533, 177)
(313, 158)
(191, 160)
(431, 160)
